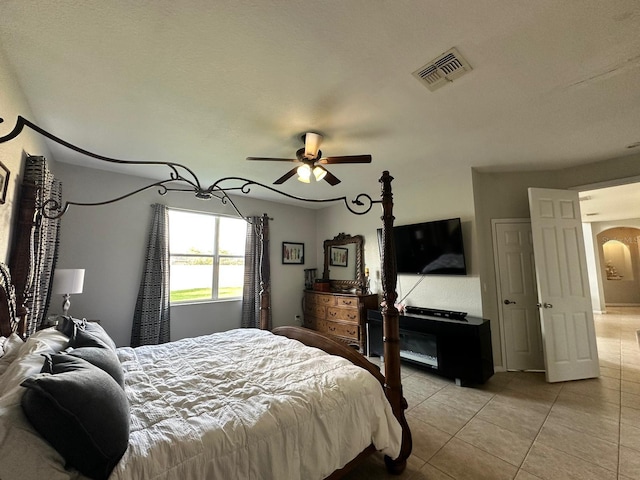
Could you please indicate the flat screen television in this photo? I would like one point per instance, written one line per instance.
(429, 248)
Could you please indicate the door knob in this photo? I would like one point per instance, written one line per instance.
(547, 305)
(509, 302)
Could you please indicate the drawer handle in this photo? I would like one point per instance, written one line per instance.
(347, 302)
(351, 332)
(333, 314)
(352, 316)
(332, 329)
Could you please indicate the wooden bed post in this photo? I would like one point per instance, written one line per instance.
(265, 275)
(391, 328)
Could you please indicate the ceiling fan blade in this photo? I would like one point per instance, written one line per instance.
(330, 178)
(286, 176)
(346, 159)
(273, 159)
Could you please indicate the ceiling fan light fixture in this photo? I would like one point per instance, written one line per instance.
(319, 173)
(304, 173)
(311, 144)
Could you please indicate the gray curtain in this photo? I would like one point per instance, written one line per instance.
(256, 270)
(151, 319)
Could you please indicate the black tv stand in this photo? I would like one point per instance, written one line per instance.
(434, 312)
(450, 347)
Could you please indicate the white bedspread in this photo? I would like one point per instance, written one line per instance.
(247, 404)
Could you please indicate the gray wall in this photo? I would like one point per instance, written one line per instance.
(13, 153)
(109, 242)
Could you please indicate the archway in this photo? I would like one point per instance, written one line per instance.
(619, 252)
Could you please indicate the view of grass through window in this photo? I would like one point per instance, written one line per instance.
(207, 256)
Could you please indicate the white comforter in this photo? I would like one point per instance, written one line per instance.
(247, 404)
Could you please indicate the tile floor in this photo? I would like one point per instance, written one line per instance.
(517, 426)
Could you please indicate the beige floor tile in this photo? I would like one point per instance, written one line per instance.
(599, 426)
(421, 385)
(524, 421)
(630, 416)
(497, 441)
(630, 387)
(579, 444)
(604, 388)
(630, 436)
(517, 399)
(463, 461)
(524, 475)
(429, 472)
(588, 404)
(551, 464)
(448, 418)
(427, 439)
(630, 462)
(610, 372)
(630, 400)
(373, 468)
(470, 398)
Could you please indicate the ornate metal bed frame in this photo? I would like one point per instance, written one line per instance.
(181, 178)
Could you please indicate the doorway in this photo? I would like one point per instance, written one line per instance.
(619, 256)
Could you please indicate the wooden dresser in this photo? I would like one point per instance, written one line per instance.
(341, 315)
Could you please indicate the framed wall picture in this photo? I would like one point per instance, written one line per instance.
(339, 257)
(4, 182)
(292, 253)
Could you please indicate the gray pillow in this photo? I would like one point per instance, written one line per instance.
(103, 358)
(93, 335)
(82, 412)
(68, 325)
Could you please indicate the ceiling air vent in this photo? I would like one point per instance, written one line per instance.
(444, 69)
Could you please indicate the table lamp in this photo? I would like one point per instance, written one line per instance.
(67, 281)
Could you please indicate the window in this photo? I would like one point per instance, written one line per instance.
(207, 256)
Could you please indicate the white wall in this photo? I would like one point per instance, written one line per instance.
(424, 197)
(109, 243)
(13, 153)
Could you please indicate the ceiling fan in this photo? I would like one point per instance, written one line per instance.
(310, 158)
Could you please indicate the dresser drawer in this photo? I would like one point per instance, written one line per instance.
(310, 322)
(342, 330)
(316, 310)
(351, 315)
(346, 301)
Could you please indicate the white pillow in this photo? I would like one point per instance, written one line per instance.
(11, 347)
(57, 340)
(28, 362)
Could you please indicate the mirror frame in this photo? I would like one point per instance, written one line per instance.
(346, 239)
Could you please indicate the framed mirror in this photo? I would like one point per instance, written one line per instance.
(344, 262)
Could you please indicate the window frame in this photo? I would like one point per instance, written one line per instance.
(215, 256)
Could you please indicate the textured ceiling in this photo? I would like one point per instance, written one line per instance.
(554, 83)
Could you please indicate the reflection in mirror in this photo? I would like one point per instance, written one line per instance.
(343, 262)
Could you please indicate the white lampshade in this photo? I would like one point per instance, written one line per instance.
(68, 280)
(304, 172)
(312, 144)
(319, 173)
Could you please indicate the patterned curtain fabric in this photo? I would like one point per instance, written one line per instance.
(151, 319)
(256, 270)
(44, 241)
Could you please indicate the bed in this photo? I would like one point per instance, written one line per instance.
(298, 404)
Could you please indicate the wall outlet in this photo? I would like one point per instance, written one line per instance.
(298, 319)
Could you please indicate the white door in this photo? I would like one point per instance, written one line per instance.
(517, 295)
(568, 331)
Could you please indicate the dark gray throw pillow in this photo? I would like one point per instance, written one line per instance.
(103, 358)
(68, 325)
(93, 335)
(82, 412)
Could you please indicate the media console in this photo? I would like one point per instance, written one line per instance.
(458, 348)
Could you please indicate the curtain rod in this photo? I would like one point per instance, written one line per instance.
(180, 179)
